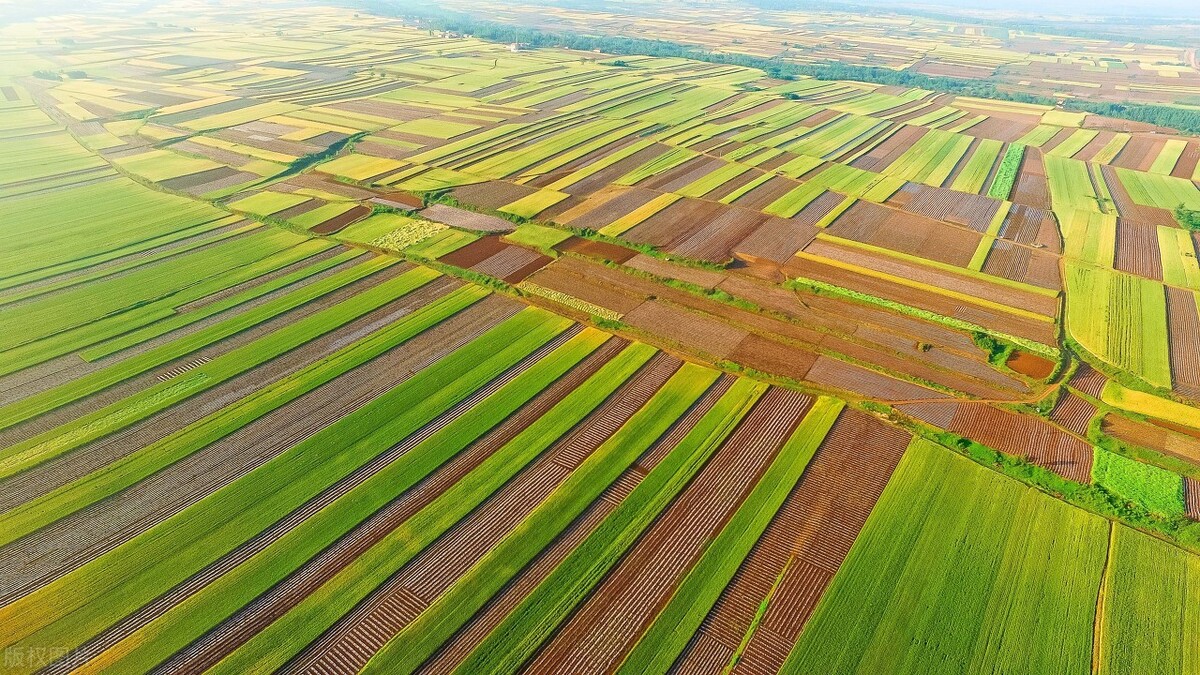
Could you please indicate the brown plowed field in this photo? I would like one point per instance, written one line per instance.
(971, 211)
(866, 383)
(341, 221)
(1137, 250)
(714, 240)
(1035, 330)
(248, 620)
(1129, 209)
(1073, 413)
(596, 249)
(621, 607)
(1025, 436)
(696, 332)
(1186, 166)
(1089, 381)
(764, 194)
(500, 606)
(1031, 187)
(1166, 441)
(1191, 493)
(676, 222)
(607, 206)
(814, 529)
(885, 153)
(1184, 333)
(89, 532)
(692, 275)
(905, 232)
(937, 413)
(493, 194)
(357, 636)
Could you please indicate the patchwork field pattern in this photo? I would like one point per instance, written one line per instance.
(331, 343)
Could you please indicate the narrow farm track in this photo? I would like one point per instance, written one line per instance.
(347, 646)
(78, 367)
(488, 618)
(265, 538)
(95, 529)
(607, 625)
(91, 456)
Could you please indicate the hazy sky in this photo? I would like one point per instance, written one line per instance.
(1125, 8)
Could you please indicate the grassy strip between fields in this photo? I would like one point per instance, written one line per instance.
(139, 464)
(141, 405)
(529, 624)
(273, 646)
(675, 625)
(205, 610)
(75, 606)
(453, 608)
(1006, 173)
(91, 383)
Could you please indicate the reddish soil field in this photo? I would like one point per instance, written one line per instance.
(1089, 381)
(769, 356)
(513, 264)
(1030, 364)
(1184, 334)
(662, 268)
(1073, 413)
(560, 278)
(1186, 166)
(937, 413)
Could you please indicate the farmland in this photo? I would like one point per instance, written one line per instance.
(332, 340)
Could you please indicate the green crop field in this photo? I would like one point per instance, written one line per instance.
(504, 338)
(925, 571)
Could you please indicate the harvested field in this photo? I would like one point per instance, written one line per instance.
(769, 356)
